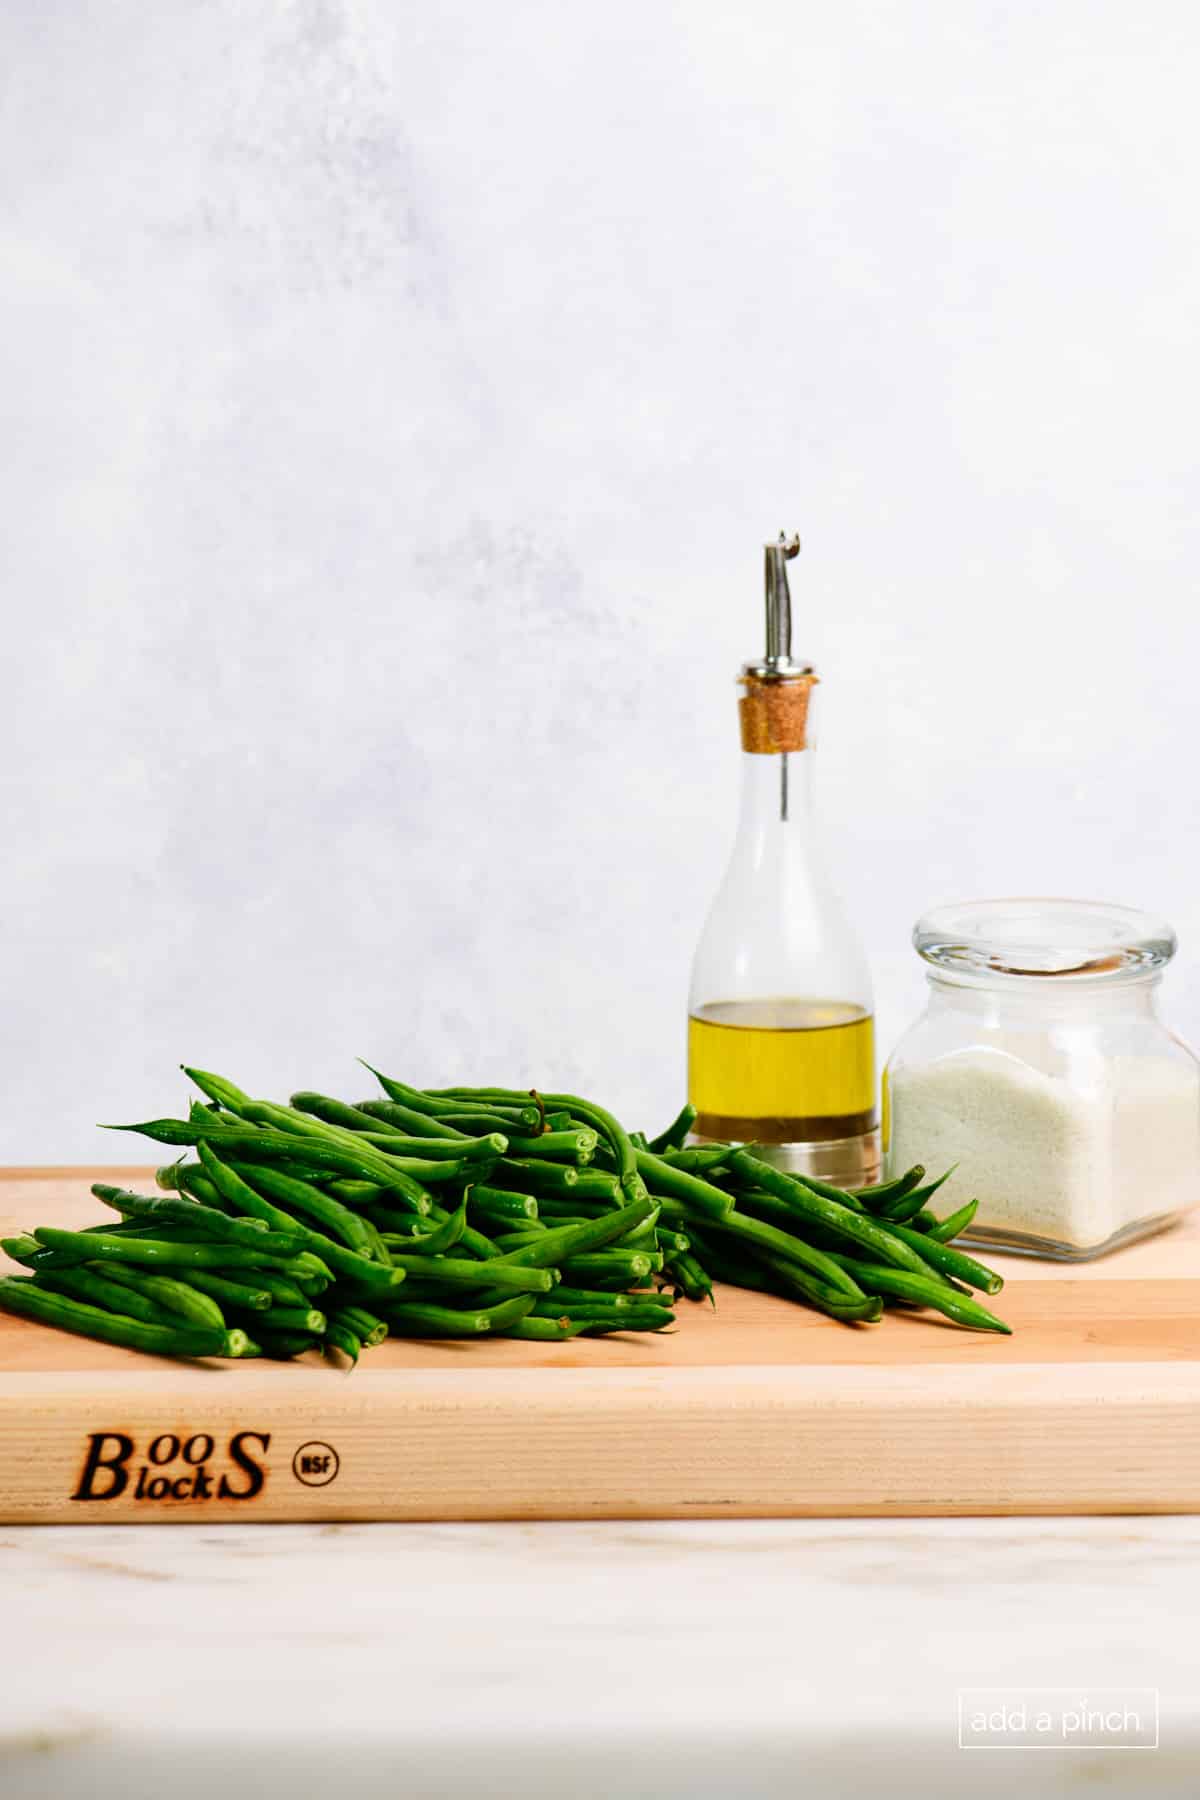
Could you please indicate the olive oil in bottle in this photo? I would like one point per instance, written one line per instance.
(781, 1040)
(781, 1071)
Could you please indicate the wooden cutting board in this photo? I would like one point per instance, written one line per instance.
(759, 1409)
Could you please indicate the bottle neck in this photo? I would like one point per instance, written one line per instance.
(776, 795)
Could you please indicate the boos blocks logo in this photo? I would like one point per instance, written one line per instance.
(172, 1468)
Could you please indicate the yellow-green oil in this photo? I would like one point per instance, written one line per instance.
(782, 1071)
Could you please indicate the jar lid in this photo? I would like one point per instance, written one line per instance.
(1079, 940)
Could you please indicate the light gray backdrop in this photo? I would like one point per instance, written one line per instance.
(395, 397)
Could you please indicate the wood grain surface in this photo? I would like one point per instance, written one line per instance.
(758, 1408)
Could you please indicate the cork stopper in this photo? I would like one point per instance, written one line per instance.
(774, 707)
(774, 712)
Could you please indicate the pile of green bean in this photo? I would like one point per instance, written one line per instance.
(461, 1211)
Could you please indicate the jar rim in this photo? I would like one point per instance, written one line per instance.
(1034, 939)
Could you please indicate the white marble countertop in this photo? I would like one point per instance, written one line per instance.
(735, 1660)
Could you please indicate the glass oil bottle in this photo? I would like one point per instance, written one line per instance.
(781, 1030)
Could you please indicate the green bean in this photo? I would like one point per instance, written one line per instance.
(796, 1282)
(558, 1209)
(239, 1194)
(308, 1266)
(167, 1210)
(459, 1273)
(443, 1321)
(317, 1136)
(856, 1227)
(404, 1118)
(628, 1266)
(486, 1121)
(575, 1240)
(20, 1294)
(202, 1223)
(647, 1317)
(365, 1325)
(95, 1248)
(240, 1296)
(281, 1290)
(377, 1202)
(530, 1177)
(447, 1104)
(948, 1261)
(628, 1159)
(557, 1146)
(455, 1153)
(753, 1232)
(597, 1188)
(762, 1272)
(698, 1161)
(422, 1136)
(434, 1293)
(308, 1319)
(955, 1223)
(212, 1115)
(543, 1331)
(675, 1134)
(223, 1092)
(473, 1241)
(643, 1240)
(189, 1178)
(23, 1249)
(523, 1103)
(826, 1189)
(882, 1194)
(262, 1144)
(517, 1239)
(443, 1237)
(566, 1297)
(903, 1210)
(678, 1184)
(343, 1338)
(429, 1171)
(501, 1203)
(348, 1264)
(294, 1195)
(173, 1295)
(94, 1289)
(924, 1290)
(688, 1275)
(32, 1255)
(741, 1271)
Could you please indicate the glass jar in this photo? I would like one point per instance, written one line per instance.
(1042, 1071)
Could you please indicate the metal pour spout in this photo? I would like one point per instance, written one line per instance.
(779, 602)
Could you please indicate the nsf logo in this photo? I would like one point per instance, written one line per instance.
(315, 1464)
